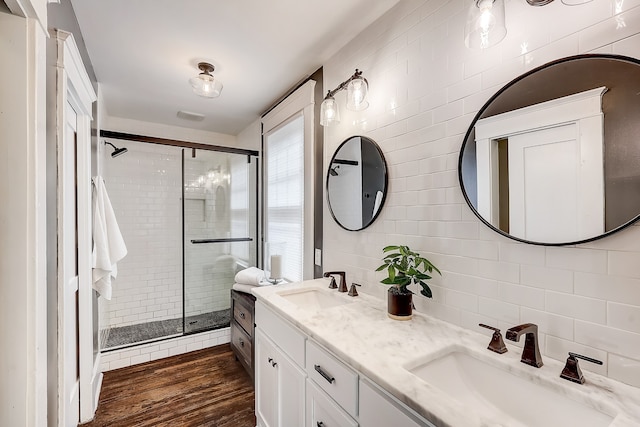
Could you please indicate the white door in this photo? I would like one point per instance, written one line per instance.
(266, 383)
(291, 399)
(552, 186)
(68, 334)
(280, 386)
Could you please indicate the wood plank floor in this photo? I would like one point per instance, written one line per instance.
(204, 388)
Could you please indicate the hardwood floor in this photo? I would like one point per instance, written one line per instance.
(204, 388)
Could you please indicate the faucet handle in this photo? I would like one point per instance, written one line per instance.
(342, 274)
(572, 371)
(353, 292)
(497, 344)
(332, 283)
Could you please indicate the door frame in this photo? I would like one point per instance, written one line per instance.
(568, 109)
(74, 87)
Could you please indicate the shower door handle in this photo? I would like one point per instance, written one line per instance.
(227, 240)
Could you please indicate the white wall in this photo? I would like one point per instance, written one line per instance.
(425, 88)
(158, 130)
(251, 136)
(23, 298)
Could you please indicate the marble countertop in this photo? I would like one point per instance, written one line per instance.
(361, 334)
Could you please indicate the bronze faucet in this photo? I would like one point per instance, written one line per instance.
(531, 353)
(342, 274)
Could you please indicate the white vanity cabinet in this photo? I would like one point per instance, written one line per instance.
(300, 383)
(280, 375)
(322, 411)
(377, 409)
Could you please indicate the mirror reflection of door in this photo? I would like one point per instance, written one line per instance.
(554, 163)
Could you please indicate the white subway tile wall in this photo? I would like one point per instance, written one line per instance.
(425, 88)
(158, 350)
(209, 269)
(145, 189)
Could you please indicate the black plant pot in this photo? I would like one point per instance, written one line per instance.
(399, 304)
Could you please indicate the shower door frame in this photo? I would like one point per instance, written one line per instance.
(195, 146)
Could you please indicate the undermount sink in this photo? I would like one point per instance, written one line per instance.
(314, 299)
(501, 396)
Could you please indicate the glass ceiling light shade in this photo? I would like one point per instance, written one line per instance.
(485, 25)
(329, 113)
(575, 2)
(357, 94)
(204, 84)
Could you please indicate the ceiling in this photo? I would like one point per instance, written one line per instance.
(144, 52)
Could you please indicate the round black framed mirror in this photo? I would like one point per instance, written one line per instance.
(553, 158)
(356, 183)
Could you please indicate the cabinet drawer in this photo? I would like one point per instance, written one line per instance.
(378, 408)
(242, 343)
(244, 316)
(324, 412)
(283, 334)
(333, 376)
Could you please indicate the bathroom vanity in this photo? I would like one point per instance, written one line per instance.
(243, 329)
(325, 359)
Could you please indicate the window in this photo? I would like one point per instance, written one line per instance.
(288, 182)
(284, 202)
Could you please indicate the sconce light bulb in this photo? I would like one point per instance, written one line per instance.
(357, 94)
(329, 114)
(486, 19)
(485, 24)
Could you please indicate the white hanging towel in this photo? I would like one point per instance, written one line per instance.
(377, 202)
(108, 244)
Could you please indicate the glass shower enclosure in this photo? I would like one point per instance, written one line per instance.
(189, 219)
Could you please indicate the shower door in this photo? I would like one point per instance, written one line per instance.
(219, 229)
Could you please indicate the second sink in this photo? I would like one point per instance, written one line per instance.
(499, 395)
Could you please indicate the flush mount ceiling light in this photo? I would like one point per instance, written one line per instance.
(357, 88)
(204, 84)
(485, 26)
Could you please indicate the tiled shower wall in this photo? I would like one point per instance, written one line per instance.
(425, 88)
(209, 267)
(145, 189)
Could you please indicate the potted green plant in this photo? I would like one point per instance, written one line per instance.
(403, 268)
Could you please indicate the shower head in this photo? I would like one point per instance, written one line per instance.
(117, 151)
(333, 171)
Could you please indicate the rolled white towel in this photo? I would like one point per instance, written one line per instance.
(250, 276)
(242, 288)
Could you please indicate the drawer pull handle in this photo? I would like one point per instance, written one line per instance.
(274, 364)
(320, 424)
(326, 376)
(241, 314)
(270, 360)
(241, 342)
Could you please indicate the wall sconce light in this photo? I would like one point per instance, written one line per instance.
(357, 88)
(204, 84)
(485, 26)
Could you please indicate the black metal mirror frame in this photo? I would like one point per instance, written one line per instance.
(482, 110)
(386, 181)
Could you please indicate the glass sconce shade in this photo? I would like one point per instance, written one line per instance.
(357, 94)
(329, 113)
(485, 25)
